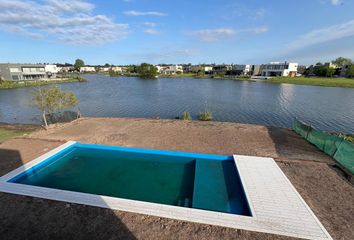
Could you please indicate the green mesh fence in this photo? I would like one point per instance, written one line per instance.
(345, 155)
(332, 144)
(301, 128)
(326, 142)
(317, 138)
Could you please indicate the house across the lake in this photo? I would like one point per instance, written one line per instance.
(87, 69)
(170, 70)
(281, 69)
(22, 72)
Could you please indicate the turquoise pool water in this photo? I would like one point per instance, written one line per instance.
(201, 181)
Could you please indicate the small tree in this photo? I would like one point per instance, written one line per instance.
(341, 61)
(330, 71)
(350, 71)
(52, 100)
(147, 71)
(79, 63)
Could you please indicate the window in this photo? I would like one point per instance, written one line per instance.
(14, 70)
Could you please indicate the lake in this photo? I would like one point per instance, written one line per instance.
(326, 108)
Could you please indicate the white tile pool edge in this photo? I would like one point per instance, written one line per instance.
(255, 223)
(34, 162)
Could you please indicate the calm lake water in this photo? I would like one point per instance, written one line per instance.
(326, 108)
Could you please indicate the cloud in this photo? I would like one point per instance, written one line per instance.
(323, 35)
(151, 31)
(336, 2)
(68, 21)
(212, 35)
(150, 24)
(235, 10)
(71, 6)
(134, 13)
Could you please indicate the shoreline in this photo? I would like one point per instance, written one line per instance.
(304, 81)
(21, 84)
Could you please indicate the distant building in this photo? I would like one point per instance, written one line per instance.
(170, 70)
(22, 72)
(283, 69)
(51, 69)
(222, 69)
(256, 70)
(104, 69)
(197, 68)
(331, 65)
(66, 69)
(87, 69)
(243, 70)
(117, 69)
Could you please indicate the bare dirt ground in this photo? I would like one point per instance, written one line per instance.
(324, 189)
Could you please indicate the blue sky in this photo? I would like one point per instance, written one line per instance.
(164, 31)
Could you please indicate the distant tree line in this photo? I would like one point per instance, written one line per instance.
(338, 67)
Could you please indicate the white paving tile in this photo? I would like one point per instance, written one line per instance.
(275, 200)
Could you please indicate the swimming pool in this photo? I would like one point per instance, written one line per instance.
(190, 180)
(242, 192)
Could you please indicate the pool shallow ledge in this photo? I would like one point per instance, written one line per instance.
(274, 204)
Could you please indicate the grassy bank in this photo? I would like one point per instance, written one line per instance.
(314, 81)
(6, 134)
(19, 84)
(187, 75)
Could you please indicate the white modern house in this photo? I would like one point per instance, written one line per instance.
(105, 69)
(283, 69)
(170, 70)
(87, 69)
(51, 69)
(66, 69)
(117, 69)
(197, 68)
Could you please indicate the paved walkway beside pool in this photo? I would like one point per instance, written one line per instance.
(275, 204)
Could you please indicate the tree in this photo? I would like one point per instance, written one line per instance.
(350, 71)
(52, 100)
(147, 71)
(79, 63)
(107, 65)
(323, 71)
(341, 61)
(330, 71)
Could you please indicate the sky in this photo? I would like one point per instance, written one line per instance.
(185, 31)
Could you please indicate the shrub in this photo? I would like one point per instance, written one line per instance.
(205, 116)
(186, 116)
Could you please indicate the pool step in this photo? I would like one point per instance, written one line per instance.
(184, 202)
(213, 188)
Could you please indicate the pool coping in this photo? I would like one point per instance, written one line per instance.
(262, 179)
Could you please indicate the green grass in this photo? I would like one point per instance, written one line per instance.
(19, 84)
(314, 81)
(6, 134)
(186, 116)
(206, 116)
(178, 75)
(347, 137)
